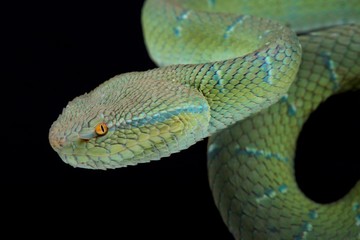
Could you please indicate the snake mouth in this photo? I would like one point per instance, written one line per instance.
(83, 161)
(97, 162)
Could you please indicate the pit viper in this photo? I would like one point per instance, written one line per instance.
(246, 73)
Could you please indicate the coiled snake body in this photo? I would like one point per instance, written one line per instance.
(229, 71)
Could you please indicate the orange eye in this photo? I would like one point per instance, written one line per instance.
(101, 129)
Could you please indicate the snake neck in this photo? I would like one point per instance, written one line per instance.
(251, 65)
(231, 91)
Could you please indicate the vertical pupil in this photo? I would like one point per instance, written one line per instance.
(102, 128)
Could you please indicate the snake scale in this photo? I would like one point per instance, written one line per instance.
(227, 70)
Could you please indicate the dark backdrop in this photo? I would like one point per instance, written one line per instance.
(61, 50)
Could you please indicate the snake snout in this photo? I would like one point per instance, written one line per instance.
(58, 139)
(57, 142)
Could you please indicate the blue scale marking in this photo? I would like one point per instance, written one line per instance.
(306, 228)
(272, 193)
(266, 154)
(211, 3)
(184, 15)
(313, 214)
(283, 188)
(267, 79)
(217, 78)
(291, 110)
(284, 98)
(231, 27)
(266, 67)
(177, 31)
(357, 219)
(213, 150)
(163, 116)
(291, 107)
(330, 65)
(356, 206)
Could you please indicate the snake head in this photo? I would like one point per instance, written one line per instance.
(129, 119)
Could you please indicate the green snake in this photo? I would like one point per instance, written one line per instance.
(227, 70)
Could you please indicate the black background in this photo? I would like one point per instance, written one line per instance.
(62, 50)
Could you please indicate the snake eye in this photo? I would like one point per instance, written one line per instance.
(101, 129)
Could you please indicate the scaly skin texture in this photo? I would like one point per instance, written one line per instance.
(247, 81)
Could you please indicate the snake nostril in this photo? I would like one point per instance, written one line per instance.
(61, 142)
(57, 142)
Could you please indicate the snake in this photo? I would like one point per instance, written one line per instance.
(246, 74)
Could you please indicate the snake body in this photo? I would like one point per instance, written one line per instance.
(228, 71)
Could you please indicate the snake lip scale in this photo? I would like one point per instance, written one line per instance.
(236, 72)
